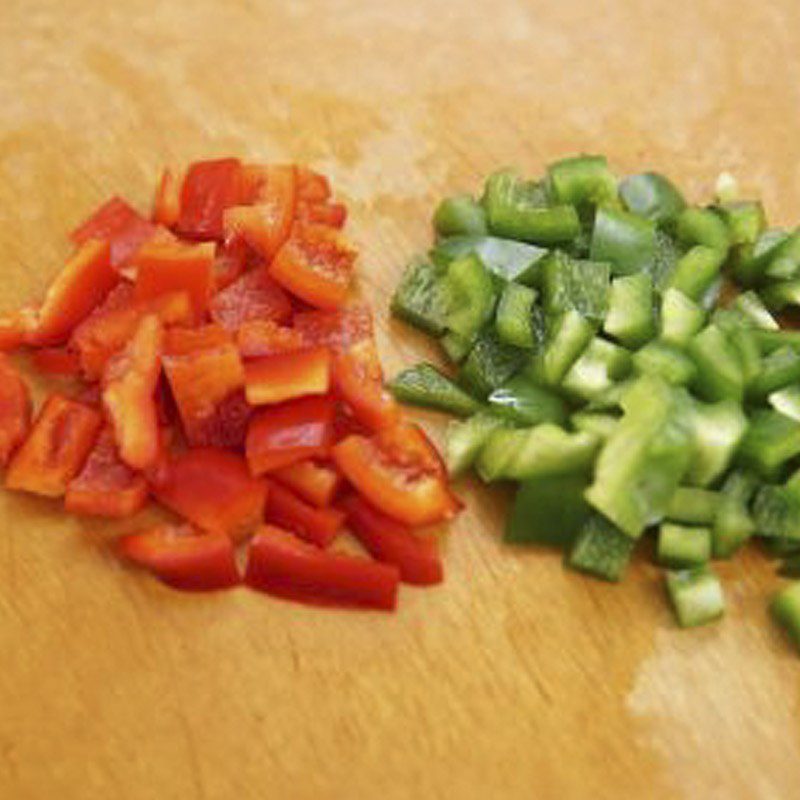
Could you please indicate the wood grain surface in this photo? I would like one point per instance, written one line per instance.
(514, 679)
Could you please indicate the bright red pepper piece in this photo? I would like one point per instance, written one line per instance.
(254, 296)
(311, 186)
(182, 558)
(129, 385)
(285, 376)
(290, 432)
(15, 410)
(280, 564)
(185, 341)
(311, 481)
(334, 215)
(213, 489)
(56, 361)
(262, 337)
(106, 486)
(415, 555)
(316, 525)
(16, 327)
(210, 187)
(167, 203)
(338, 329)
(230, 263)
(56, 448)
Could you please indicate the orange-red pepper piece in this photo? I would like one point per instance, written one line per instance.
(254, 296)
(213, 489)
(129, 385)
(184, 341)
(56, 361)
(208, 189)
(16, 327)
(106, 487)
(285, 376)
(316, 525)
(334, 215)
(313, 482)
(311, 186)
(167, 203)
(230, 263)
(263, 337)
(56, 448)
(15, 410)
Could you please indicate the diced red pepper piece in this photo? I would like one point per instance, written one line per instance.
(254, 296)
(230, 263)
(54, 452)
(167, 203)
(16, 327)
(313, 482)
(316, 265)
(106, 487)
(397, 471)
(285, 376)
(337, 329)
(163, 267)
(182, 558)
(57, 361)
(263, 337)
(120, 225)
(316, 525)
(80, 286)
(415, 555)
(185, 341)
(266, 225)
(345, 423)
(15, 410)
(280, 564)
(210, 187)
(311, 186)
(334, 215)
(253, 179)
(213, 489)
(129, 385)
(290, 432)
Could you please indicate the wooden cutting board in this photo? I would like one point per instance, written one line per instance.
(514, 679)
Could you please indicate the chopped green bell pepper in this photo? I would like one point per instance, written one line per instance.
(514, 318)
(696, 596)
(630, 310)
(419, 299)
(459, 216)
(624, 240)
(424, 385)
(522, 401)
(652, 196)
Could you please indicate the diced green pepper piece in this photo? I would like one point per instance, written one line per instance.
(424, 385)
(601, 425)
(491, 364)
(630, 309)
(719, 371)
(458, 216)
(787, 401)
(644, 460)
(419, 299)
(696, 596)
(745, 219)
(536, 452)
(549, 511)
(778, 370)
(701, 226)
(568, 337)
(522, 401)
(779, 295)
(652, 196)
(750, 263)
(514, 318)
(568, 283)
(776, 513)
(665, 260)
(693, 506)
(718, 430)
(601, 549)
(582, 180)
(751, 306)
(665, 360)
(597, 369)
(785, 609)
(466, 439)
(680, 546)
(681, 318)
(696, 271)
(471, 296)
(772, 340)
(624, 240)
(456, 347)
(612, 398)
(771, 440)
(518, 210)
(733, 522)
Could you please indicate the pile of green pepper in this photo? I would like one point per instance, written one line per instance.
(600, 362)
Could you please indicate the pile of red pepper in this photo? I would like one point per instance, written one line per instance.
(224, 375)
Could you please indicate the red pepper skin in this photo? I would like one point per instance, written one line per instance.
(262, 337)
(85, 280)
(163, 267)
(281, 565)
(311, 186)
(230, 263)
(106, 487)
(56, 361)
(286, 376)
(182, 558)
(56, 448)
(16, 328)
(313, 482)
(210, 187)
(254, 296)
(290, 432)
(415, 555)
(212, 489)
(338, 329)
(167, 202)
(121, 226)
(334, 215)
(186, 341)
(15, 410)
(129, 386)
(319, 526)
(316, 265)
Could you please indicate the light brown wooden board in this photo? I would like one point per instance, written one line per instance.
(515, 679)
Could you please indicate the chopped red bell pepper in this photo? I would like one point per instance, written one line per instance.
(290, 432)
(263, 337)
(398, 474)
(334, 215)
(338, 329)
(254, 296)
(85, 280)
(316, 525)
(15, 410)
(167, 203)
(182, 558)
(316, 265)
(213, 489)
(164, 267)
(285, 376)
(415, 555)
(280, 564)
(56, 361)
(210, 187)
(185, 341)
(56, 448)
(129, 385)
(16, 327)
(230, 263)
(121, 226)
(311, 186)
(106, 487)
(311, 481)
